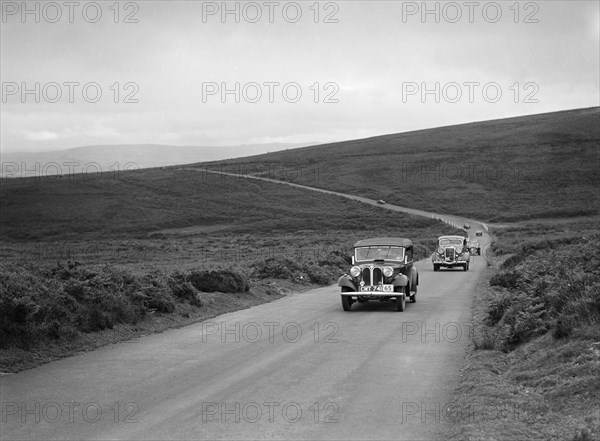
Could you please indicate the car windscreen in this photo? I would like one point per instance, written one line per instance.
(379, 253)
(449, 242)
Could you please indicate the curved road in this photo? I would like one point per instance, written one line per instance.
(456, 221)
(296, 368)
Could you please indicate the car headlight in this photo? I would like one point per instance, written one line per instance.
(440, 250)
(355, 271)
(388, 271)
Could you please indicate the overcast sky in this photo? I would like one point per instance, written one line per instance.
(371, 61)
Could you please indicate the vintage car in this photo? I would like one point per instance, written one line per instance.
(466, 226)
(383, 270)
(451, 251)
(474, 248)
(381, 202)
(478, 233)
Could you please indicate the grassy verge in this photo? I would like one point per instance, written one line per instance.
(534, 367)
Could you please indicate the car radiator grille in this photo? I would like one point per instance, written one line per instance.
(450, 253)
(372, 276)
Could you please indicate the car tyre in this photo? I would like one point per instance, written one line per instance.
(466, 267)
(436, 267)
(347, 303)
(401, 300)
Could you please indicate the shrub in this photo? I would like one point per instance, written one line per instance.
(278, 268)
(554, 287)
(183, 290)
(505, 279)
(564, 327)
(485, 339)
(318, 274)
(497, 308)
(38, 305)
(228, 281)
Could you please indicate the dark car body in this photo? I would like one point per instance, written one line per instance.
(451, 251)
(383, 269)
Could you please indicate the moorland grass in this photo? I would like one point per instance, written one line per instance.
(537, 166)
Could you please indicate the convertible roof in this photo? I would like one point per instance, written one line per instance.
(376, 241)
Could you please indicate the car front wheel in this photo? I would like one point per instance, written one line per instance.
(347, 303)
(401, 300)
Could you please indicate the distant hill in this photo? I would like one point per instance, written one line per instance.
(544, 165)
(120, 157)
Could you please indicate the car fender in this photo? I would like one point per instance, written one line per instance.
(414, 276)
(346, 281)
(400, 280)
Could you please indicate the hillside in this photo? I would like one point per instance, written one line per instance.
(535, 166)
(169, 218)
(107, 158)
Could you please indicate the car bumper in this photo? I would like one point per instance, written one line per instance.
(450, 263)
(371, 295)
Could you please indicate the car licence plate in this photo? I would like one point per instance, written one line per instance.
(377, 288)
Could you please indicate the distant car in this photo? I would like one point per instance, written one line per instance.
(452, 251)
(466, 226)
(383, 269)
(475, 248)
(381, 202)
(478, 233)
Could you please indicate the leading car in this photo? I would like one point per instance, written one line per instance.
(383, 269)
(452, 251)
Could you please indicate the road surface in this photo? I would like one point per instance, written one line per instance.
(297, 368)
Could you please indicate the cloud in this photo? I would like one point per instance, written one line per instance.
(44, 135)
(369, 55)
